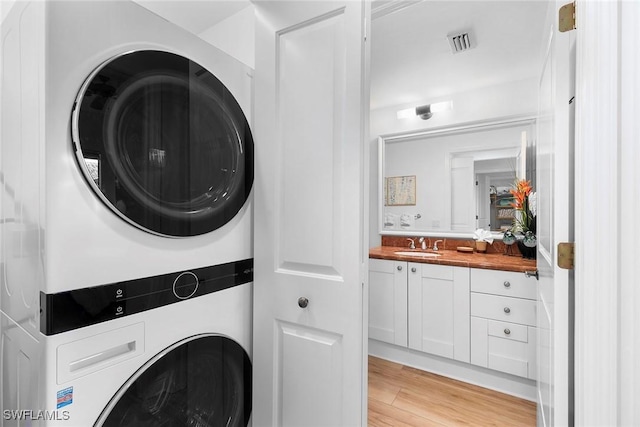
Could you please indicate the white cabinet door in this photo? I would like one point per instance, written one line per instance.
(439, 310)
(388, 301)
(310, 259)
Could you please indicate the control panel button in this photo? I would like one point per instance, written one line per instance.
(185, 285)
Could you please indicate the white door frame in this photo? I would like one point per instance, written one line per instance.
(629, 207)
(607, 329)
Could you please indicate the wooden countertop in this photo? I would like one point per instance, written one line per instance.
(491, 261)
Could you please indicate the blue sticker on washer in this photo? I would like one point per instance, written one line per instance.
(65, 397)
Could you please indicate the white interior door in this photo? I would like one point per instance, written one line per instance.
(483, 202)
(310, 260)
(463, 206)
(554, 185)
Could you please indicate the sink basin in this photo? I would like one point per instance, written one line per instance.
(418, 254)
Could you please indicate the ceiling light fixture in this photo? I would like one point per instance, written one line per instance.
(425, 111)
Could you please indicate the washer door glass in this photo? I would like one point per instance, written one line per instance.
(204, 381)
(163, 143)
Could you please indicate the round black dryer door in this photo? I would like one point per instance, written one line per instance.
(201, 382)
(163, 143)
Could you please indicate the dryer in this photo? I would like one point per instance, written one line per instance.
(126, 165)
(126, 147)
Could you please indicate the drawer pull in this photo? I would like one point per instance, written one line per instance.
(507, 284)
(507, 310)
(507, 331)
(399, 268)
(413, 269)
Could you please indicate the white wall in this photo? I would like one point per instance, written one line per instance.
(508, 99)
(235, 36)
(5, 6)
(494, 102)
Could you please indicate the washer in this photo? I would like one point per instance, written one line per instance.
(182, 364)
(126, 226)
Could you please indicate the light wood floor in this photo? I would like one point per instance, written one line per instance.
(402, 396)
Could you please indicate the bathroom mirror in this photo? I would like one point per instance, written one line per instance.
(491, 87)
(450, 181)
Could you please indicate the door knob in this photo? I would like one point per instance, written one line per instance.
(507, 310)
(303, 302)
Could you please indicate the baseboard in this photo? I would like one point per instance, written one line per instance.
(488, 378)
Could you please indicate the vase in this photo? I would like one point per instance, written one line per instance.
(527, 252)
(481, 246)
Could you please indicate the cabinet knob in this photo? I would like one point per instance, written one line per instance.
(507, 310)
(399, 268)
(507, 331)
(303, 302)
(507, 284)
(413, 269)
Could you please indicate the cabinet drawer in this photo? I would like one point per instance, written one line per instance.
(505, 309)
(382, 265)
(507, 283)
(434, 271)
(510, 331)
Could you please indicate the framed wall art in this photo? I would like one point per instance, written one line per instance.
(400, 191)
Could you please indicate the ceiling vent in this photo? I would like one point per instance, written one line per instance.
(460, 42)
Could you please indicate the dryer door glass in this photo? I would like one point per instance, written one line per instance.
(163, 143)
(202, 382)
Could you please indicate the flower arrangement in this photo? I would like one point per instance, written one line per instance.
(524, 222)
(524, 202)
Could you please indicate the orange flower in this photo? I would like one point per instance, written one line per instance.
(520, 193)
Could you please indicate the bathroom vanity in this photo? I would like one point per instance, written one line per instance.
(470, 316)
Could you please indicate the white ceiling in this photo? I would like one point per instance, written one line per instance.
(194, 15)
(411, 60)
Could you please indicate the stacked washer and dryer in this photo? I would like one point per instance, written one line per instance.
(126, 168)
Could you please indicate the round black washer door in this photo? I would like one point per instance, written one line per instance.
(204, 381)
(163, 143)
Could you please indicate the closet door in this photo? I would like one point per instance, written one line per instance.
(310, 256)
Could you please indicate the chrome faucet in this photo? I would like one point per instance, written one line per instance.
(435, 244)
(423, 243)
(412, 244)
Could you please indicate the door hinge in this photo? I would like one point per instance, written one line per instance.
(567, 17)
(566, 255)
